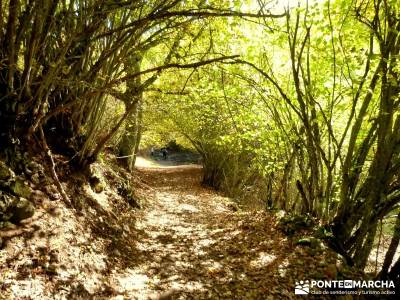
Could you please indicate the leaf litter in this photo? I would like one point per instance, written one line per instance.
(186, 243)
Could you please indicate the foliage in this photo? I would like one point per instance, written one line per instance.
(306, 120)
(296, 111)
(62, 61)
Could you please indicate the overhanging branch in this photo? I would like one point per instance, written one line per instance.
(174, 66)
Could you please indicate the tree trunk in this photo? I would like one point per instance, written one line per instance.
(364, 249)
(394, 273)
(129, 144)
(392, 249)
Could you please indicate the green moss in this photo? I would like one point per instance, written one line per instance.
(21, 189)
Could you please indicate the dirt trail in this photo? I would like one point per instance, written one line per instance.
(185, 243)
(194, 247)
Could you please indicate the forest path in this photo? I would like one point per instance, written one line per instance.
(185, 243)
(190, 245)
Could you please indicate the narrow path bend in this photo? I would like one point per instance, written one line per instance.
(191, 246)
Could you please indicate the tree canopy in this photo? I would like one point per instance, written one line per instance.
(293, 107)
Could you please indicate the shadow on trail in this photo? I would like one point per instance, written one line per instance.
(184, 244)
(194, 247)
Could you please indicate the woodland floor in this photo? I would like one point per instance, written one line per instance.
(186, 243)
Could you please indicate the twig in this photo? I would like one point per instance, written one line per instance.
(52, 169)
(377, 249)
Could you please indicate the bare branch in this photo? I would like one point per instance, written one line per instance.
(174, 66)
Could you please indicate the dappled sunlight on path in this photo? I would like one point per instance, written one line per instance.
(191, 246)
(185, 243)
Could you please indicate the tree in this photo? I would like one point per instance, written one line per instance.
(365, 151)
(62, 61)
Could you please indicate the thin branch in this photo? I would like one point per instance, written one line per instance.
(173, 66)
(53, 168)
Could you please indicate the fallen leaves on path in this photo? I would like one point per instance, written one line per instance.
(186, 243)
(194, 247)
